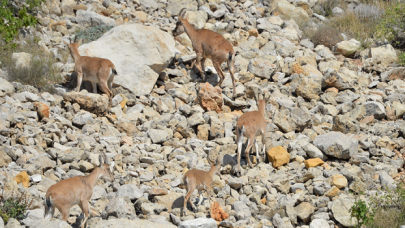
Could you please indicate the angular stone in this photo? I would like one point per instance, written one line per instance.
(138, 52)
(23, 178)
(337, 145)
(339, 181)
(304, 211)
(42, 109)
(90, 19)
(171, 201)
(199, 223)
(210, 98)
(88, 101)
(278, 156)
(341, 210)
(314, 162)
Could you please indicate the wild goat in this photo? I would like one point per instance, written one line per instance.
(250, 125)
(208, 44)
(95, 70)
(76, 190)
(201, 180)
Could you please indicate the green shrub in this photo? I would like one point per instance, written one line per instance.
(401, 58)
(392, 26)
(93, 33)
(11, 21)
(328, 6)
(384, 211)
(41, 72)
(14, 207)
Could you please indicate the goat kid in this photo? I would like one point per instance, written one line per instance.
(208, 44)
(200, 180)
(76, 190)
(250, 125)
(95, 70)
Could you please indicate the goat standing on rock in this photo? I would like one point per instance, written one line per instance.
(201, 180)
(95, 70)
(208, 44)
(76, 190)
(250, 125)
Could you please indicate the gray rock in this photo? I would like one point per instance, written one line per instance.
(138, 52)
(152, 208)
(149, 5)
(307, 43)
(199, 223)
(43, 223)
(242, 210)
(337, 145)
(90, 18)
(313, 151)
(386, 180)
(174, 6)
(130, 190)
(127, 223)
(297, 186)
(119, 208)
(319, 223)
(262, 68)
(82, 119)
(6, 87)
(195, 119)
(32, 215)
(375, 109)
(341, 210)
(159, 136)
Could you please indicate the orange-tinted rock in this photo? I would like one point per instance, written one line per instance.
(278, 156)
(127, 140)
(22, 178)
(253, 32)
(313, 162)
(42, 109)
(367, 119)
(158, 192)
(297, 68)
(210, 98)
(218, 213)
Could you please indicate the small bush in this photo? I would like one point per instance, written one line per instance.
(392, 26)
(41, 72)
(14, 207)
(93, 33)
(12, 21)
(384, 211)
(327, 36)
(401, 58)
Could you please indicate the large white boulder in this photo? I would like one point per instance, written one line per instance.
(138, 52)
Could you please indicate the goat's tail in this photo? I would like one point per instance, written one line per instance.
(49, 208)
(114, 71)
(231, 54)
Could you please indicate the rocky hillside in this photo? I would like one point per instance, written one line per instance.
(335, 122)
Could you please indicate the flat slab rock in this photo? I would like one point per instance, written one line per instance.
(199, 223)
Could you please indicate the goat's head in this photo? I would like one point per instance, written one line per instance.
(106, 168)
(216, 166)
(180, 23)
(74, 45)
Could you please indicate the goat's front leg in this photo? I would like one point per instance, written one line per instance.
(198, 65)
(79, 80)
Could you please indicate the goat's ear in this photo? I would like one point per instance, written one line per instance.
(112, 166)
(186, 17)
(80, 42)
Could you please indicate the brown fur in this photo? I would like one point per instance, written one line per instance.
(95, 70)
(208, 44)
(75, 191)
(199, 179)
(250, 125)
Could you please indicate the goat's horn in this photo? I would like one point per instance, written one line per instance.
(105, 158)
(182, 12)
(75, 39)
(70, 39)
